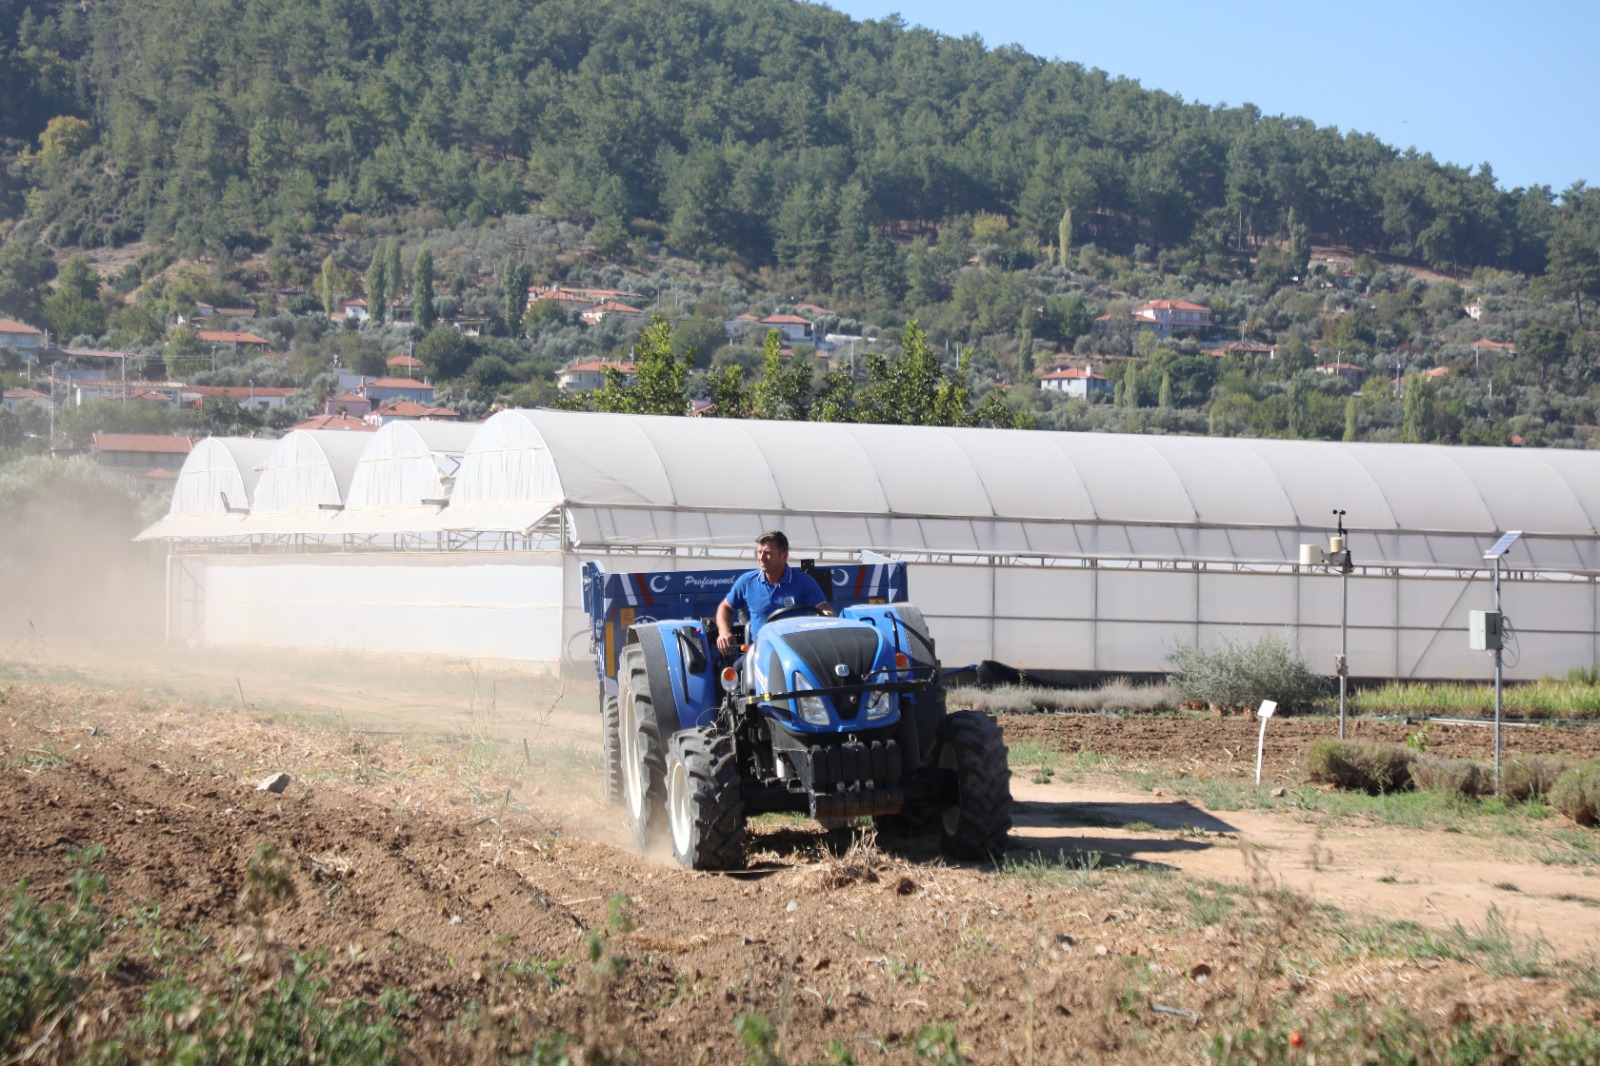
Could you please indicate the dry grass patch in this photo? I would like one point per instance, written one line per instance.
(1527, 777)
(1576, 793)
(1361, 765)
(1462, 777)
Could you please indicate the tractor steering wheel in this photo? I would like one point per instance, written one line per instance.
(792, 611)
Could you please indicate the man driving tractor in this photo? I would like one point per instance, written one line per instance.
(773, 586)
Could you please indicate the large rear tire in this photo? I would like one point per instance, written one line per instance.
(611, 749)
(644, 764)
(705, 810)
(975, 825)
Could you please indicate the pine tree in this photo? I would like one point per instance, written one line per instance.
(422, 289)
(1130, 386)
(1164, 399)
(1352, 423)
(1064, 235)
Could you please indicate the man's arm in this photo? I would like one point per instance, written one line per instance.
(725, 627)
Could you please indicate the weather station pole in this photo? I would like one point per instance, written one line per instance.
(1337, 557)
(1340, 556)
(1486, 632)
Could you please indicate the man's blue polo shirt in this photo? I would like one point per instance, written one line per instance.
(752, 592)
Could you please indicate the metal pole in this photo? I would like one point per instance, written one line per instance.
(1344, 643)
(1497, 652)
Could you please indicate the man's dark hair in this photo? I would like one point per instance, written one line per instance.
(776, 538)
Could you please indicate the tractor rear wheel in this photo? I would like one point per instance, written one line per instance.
(975, 824)
(611, 749)
(705, 810)
(644, 764)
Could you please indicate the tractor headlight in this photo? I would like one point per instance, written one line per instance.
(879, 704)
(812, 708)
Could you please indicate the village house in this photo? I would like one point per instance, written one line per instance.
(254, 397)
(1083, 383)
(19, 335)
(248, 342)
(136, 453)
(586, 377)
(408, 411)
(350, 403)
(792, 328)
(384, 389)
(1171, 317)
(15, 398)
(1355, 375)
(594, 315)
(335, 421)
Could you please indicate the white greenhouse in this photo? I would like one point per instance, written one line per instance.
(1045, 551)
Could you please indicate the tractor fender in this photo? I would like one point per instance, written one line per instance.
(682, 697)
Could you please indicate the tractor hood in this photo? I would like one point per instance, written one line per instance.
(828, 652)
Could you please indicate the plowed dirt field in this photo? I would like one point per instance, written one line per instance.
(442, 834)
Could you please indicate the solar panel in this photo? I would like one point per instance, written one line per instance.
(1503, 545)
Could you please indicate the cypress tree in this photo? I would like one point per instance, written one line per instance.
(422, 289)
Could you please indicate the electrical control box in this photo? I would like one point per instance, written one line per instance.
(1484, 629)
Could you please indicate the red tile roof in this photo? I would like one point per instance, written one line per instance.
(397, 383)
(1072, 372)
(336, 421)
(784, 320)
(142, 442)
(10, 326)
(1500, 346)
(26, 394)
(412, 409)
(226, 336)
(600, 364)
(239, 392)
(1170, 305)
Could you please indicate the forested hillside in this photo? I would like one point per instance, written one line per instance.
(1013, 223)
(775, 132)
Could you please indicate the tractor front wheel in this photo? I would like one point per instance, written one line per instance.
(643, 762)
(974, 825)
(705, 810)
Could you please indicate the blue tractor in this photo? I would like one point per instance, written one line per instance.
(836, 717)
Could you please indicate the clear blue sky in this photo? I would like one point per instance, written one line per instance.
(1516, 85)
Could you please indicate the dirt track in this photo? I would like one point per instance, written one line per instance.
(452, 844)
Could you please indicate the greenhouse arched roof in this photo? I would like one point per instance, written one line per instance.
(629, 481)
(632, 479)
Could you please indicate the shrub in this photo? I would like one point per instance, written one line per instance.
(1364, 765)
(1526, 777)
(1576, 793)
(1464, 777)
(1239, 675)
